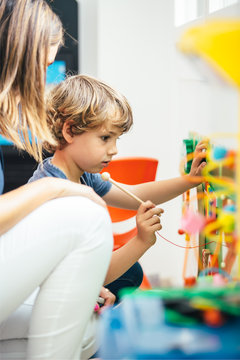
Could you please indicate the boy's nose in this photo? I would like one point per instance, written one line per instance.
(113, 150)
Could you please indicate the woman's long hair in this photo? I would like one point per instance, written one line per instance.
(27, 30)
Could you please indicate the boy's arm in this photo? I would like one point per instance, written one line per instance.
(156, 191)
(148, 222)
(160, 191)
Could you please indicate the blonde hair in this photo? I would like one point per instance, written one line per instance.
(86, 103)
(28, 28)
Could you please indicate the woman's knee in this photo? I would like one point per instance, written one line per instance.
(63, 223)
(87, 223)
(90, 220)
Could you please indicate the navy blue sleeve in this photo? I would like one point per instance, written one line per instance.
(100, 186)
(1, 172)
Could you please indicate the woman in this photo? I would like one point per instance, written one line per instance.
(49, 235)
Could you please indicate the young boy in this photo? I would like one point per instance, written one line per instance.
(87, 117)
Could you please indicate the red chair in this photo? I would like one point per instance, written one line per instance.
(131, 171)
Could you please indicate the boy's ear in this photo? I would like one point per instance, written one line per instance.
(67, 133)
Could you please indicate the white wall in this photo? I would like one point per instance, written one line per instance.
(131, 45)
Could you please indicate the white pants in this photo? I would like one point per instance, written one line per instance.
(64, 247)
(15, 329)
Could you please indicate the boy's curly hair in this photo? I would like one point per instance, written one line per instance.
(86, 103)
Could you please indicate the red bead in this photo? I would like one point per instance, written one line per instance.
(213, 317)
(181, 232)
(190, 281)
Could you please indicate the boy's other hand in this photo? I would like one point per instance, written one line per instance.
(108, 299)
(148, 222)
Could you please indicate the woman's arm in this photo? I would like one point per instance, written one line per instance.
(18, 203)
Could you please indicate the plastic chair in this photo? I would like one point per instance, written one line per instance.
(131, 171)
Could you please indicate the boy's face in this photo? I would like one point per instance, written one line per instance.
(94, 149)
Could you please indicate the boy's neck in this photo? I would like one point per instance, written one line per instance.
(67, 166)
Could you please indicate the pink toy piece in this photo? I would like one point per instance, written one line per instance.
(192, 222)
(96, 308)
(219, 280)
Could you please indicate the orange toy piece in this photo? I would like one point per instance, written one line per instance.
(213, 317)
(130, 171)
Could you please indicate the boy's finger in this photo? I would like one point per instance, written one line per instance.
(146, 206)
(154, 220)
(200, 157)
(200, 148)
(154, 223)
(158, 211)
(152, 213)
(149, 209)
(157, 227)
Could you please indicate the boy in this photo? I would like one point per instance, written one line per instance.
(86, 118)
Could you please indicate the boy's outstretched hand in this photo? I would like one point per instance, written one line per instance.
(148, 222)
(199, 160)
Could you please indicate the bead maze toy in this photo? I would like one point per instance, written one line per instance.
(200, 321)
(214, 222)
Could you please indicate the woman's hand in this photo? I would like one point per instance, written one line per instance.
(148, 222)
(69, 188)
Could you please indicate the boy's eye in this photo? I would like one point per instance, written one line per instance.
(105, 138)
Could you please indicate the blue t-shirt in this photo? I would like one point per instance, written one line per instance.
(47, 169)
(1, 172)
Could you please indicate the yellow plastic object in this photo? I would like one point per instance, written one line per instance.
(225, 223)
(218, 43)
